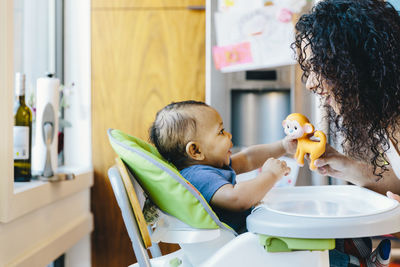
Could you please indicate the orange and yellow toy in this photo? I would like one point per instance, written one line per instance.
(297, 126)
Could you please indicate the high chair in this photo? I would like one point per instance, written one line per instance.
(278, 234)
(199, 247)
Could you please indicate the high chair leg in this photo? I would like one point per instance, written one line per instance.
(154, 249)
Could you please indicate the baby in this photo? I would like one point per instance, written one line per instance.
(191, 136)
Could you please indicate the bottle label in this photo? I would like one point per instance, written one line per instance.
(21, 142)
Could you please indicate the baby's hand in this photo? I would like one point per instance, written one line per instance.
(276, 166)
(290, 145)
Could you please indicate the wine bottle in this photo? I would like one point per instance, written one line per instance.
(22, 133)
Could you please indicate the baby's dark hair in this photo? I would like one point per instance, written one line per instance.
(172, 129)
(355, 46)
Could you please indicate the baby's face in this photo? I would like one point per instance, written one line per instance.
(215, 142)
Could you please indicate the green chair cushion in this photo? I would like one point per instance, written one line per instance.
(165, 186)
(286, 244)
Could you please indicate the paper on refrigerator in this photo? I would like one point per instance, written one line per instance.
(268, 31)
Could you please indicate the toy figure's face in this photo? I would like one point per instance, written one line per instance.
(293, 129)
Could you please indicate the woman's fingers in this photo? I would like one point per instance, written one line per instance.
(319, 163)
(393, 196)
(325, 170)
(331, 163)
(328, 171)
(326, 158)
(333, 159)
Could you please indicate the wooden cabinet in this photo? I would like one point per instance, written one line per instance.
(145, 54)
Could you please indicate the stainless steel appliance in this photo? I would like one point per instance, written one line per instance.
(260, 100)
(257, 115)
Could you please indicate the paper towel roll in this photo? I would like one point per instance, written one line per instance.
(47, 91)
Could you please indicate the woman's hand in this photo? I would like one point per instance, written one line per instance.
(335, 164)
(332, 163)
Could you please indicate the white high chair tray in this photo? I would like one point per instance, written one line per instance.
(335, 211)
(328, 201)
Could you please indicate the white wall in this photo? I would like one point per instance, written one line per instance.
(77, 71)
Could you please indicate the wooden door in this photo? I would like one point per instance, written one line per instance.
(142, 59)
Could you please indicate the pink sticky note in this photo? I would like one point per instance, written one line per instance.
(232, 55)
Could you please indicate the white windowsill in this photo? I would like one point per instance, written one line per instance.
(20, 187)
(29, 196)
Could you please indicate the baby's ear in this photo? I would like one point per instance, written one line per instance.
(193, 150)
(308, 128)
(284, 123)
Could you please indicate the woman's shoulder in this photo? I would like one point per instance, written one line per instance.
(393, 153)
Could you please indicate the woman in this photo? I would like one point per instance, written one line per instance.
(349, 51)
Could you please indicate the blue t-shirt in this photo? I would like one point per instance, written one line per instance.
(208, 180)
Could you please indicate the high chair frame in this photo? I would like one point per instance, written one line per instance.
(128, 217)
(132, 226)
(199, 247)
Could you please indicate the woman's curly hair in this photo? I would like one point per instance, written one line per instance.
(355, 48)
